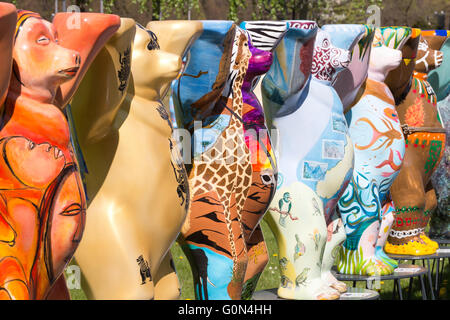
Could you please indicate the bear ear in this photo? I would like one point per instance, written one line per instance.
(435, 42)
(176, 36)
(85, 33)
(8, 19)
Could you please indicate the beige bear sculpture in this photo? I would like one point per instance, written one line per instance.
(135, 179)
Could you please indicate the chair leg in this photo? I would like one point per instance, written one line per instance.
(430, 282)
(410, 287)
(422, 288)
(393, 290)
(437, 261)
(399, 285)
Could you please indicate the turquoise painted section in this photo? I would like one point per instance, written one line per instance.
(218, 277)
(379, 252)
(359, 207)
(439, 78)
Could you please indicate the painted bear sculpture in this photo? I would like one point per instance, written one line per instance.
(379, 151)
(264, 38)
(44, 207)
(172, 37)
(209, 102)
(412, 193)
(347, 84)
(8, 18)
(136, 181)
(429, 59)
(313, 173)
(440, 81)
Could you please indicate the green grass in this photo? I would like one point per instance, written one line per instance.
(77, 295)
(271, 275)
(269, 278)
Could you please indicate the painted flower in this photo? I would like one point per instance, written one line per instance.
(316, 238)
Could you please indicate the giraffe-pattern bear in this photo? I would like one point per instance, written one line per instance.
(221, 171)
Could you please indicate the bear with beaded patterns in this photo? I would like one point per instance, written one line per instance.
(412, 194)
